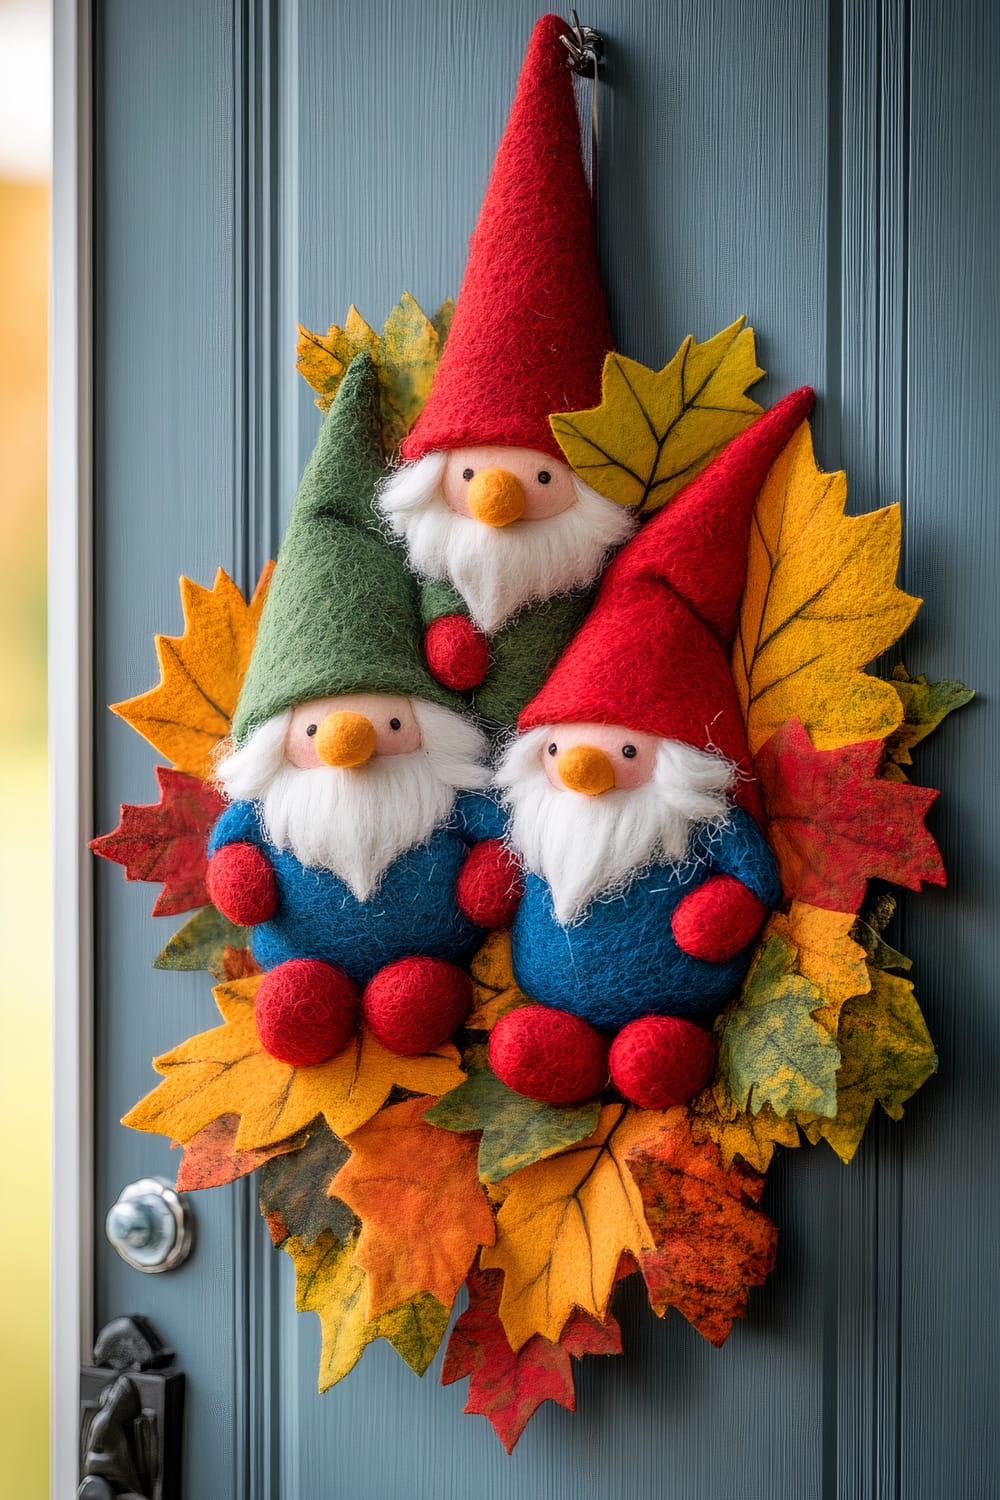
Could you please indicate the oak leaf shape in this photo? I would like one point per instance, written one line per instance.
(210, 1158)
(656, 429)
(423, 1212)
(925, 705)
(167, 841)
(740, 1134)
(563, 1226)
(508, 1387)
(495, 991)
(835, 824)
(294, 1194)
(201, 672)
(515, 1131)
(209, 941)
(226, 1072)
(405, 355)
(711, 1241)
(820, 603)
(331, 1284)
(886, 1055)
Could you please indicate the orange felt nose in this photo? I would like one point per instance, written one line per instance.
(586, 769)
(345, 739)
(496, 497)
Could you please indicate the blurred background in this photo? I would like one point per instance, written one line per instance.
(25, 989)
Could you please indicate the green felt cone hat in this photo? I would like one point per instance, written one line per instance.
(342, 614)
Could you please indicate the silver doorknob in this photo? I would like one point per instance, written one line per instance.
(151, 1226)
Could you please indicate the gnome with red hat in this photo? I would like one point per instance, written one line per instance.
(634, 812)
(505, 536)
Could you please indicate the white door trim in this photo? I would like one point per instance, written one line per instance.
(70, 719)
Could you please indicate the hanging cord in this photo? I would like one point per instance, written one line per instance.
(585, 53)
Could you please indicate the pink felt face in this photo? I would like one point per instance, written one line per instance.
(632, 755)
(543, 496)
(396, 729)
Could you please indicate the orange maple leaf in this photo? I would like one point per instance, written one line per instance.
(201, 673)
(423, 1212)
(226, 1072)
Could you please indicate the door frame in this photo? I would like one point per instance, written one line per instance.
(70, 756)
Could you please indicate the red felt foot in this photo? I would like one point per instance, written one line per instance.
(549, 1055)
(457, 653)
(241, 884)
(414, 1005)
(659, 1061)
(305, 1011)
(718, 919)
(490, 887)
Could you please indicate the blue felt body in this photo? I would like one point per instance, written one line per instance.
(411, 912)
(621, 961)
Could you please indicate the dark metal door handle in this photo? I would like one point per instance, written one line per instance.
(131, 1414)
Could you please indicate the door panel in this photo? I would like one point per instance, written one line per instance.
(825, 172)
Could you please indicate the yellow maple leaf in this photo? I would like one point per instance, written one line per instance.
(656, 429)
(226, 1072)
(329, 1283)
(820, 603)
(740, 1133)
(827, 955)
(564, 1225)
(201, 673)
(495, 991)
(405, 354)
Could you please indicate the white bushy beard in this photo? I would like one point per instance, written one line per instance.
(498, 570)
(355, 822)
(585, 847)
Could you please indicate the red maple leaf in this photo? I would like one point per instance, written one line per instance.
(835, 824)
(167, 840)
(506, 1387)
(210, 1158)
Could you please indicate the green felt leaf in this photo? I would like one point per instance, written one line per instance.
(414, 1330)
(516, 1131)
(771, 1049)
(294, 1201)
(202, 942)
(925, 704)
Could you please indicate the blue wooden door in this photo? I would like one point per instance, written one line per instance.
(829, 170)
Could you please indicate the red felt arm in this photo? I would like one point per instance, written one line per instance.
(489, 887)
(718, 919)
(241, 883)
(457, 653)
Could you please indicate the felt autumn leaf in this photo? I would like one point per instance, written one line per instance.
(226, 1072)
(201, 673)
(209, 941)
(494, 989)
(925, 704)
(828, 955)
(886, 1055)
(868, 930)
(515, 1131)
(711, 1243)
(508, 1388)
(656, 429)
(210, 1158)
(294, 1191)
(331, 1284)
(739, 1133)
(820, 603)
(405, 355)
(423, 1213)
(167, 841)
(771, 1049)
(835, 823)
(563, 1226)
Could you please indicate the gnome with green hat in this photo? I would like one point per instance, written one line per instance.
(357, 844)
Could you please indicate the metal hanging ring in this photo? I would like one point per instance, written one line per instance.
(584, 48)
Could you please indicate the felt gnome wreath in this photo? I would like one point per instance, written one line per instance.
(535, 1040)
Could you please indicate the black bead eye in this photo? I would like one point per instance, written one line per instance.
(553, 748)
(629, 752)
(544, 477)
(394, 724)
(467, 473)
(311, 729)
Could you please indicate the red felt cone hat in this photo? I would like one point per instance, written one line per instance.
(531, 326)
(653, 653)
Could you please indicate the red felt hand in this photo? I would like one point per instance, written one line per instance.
(457, 653)
(489, 887)
(718, 919)
(241, 883)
